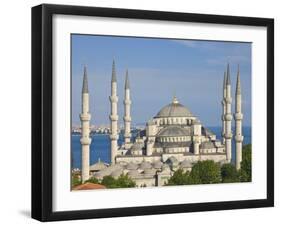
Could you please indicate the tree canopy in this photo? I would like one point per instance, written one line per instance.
(209, 172)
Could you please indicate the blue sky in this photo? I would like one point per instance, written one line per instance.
(158, 69)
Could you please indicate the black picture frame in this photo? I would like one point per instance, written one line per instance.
(42, 108)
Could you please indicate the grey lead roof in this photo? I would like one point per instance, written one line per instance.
(174, 109)
(127, 84)
(238, 83)
(85, 81)
(173, 131)
(113, 78)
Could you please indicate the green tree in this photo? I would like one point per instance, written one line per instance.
(75, 180)
(246, 164)
(205, 172)
(93, 180)
(229, 173)
(179, 178)
(124, 181)
(109, 182)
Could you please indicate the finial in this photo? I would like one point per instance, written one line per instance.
(175, 100)
(228, 75)
(113, 78)
(127, 84)
(238, 83)
(85, 81)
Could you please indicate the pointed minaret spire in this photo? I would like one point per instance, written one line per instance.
(228, 75)
(127, 83)
(113, 77)
(113, 117)
(238, 122)
(85, 140)
(85, 81)
(238, 83)
(127, 113)
(228, 116)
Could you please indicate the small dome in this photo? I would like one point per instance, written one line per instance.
(116, 173)
(173, 131)
(157, 165)
(98, 166)
(114, 167)
(175, 109)
(145, 165)
(101, 174)
(186, 164)
(133, 173)
(132, 166)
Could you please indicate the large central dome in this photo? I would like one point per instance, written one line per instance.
(175, 109)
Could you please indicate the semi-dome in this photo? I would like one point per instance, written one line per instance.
(173, 131)
(174, 109)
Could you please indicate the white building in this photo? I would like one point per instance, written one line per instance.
(174, 138)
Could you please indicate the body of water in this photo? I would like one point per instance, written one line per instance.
(100, 146)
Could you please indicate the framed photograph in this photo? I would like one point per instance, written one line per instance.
(145, 112)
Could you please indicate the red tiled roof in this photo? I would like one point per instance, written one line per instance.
(88, 186)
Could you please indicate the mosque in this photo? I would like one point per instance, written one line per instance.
(173, 139)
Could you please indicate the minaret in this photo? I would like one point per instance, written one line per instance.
(238, 122)
(85, 118)
(223, 109)
(127, 112)
(228, 117)
(114, 115)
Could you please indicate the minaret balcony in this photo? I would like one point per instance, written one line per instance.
(127, 119)
(127, 135)
(113, 136)
(228, 100)
(239, 138)
(85, 117)
(113, 117)
(238, 116)
(228, 117)
(228, 135)
(113, 99)
(127, 102)
(85, 141)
